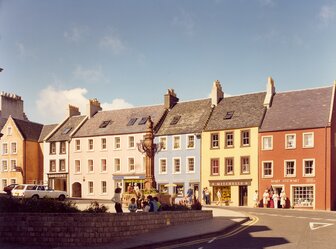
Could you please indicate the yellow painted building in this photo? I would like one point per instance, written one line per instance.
(21, 156)
(230, 146)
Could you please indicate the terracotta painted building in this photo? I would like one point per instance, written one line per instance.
(21, 157)
(297, 148)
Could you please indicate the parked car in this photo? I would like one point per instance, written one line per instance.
(38, 191)
(8, 189)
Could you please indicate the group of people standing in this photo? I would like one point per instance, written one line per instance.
(206, 196)
(271, 199)
(150, 204)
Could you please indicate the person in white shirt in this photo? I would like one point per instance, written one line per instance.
(117, 200)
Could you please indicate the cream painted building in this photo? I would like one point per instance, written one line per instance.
(104, 154)
(230, 147)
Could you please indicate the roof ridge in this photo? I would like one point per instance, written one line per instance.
(306, 89)
(243, 94)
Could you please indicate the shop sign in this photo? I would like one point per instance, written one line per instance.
(57, 175)
(285, 181)
(243, 182)
(117, 177)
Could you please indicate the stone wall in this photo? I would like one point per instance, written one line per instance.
(86, 229)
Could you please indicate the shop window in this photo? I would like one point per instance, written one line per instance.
(303, 196)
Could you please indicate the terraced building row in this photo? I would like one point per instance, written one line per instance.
(238, 144)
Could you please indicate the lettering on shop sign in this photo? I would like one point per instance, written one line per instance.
(58, 176)
(231, 183)
(286, 181)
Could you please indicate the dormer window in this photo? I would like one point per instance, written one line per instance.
(229, 115)
(143, 121)
(175, 120)
(104, 124)
(66, 130)
(131, 121)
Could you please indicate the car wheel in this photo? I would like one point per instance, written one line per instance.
(61, 197)
(35, 197)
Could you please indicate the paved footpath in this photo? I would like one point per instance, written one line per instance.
(224, 219)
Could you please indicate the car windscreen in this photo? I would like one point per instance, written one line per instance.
(20, 187)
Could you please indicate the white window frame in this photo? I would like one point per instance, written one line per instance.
(129, 144)
(173, 142)
(165, 143)
(11, 168)
(160, 168)
(187, 164)
(11, 181)
(2, 183)
(90, 139)
(77, 145)
(102, 188)
(304, 167)
(303, 139)
(114, 164)
(52, 160)
(65, 165)
(187, 141)
(3, 148)
(9, 131)
(177, 172)
(129, 164)
(102, 143)
(88, 164)
(80, 168)
(212, 141)
(115, 143)
(286, 141)
(285, 168)
(89, 189)
(302, 185)
(101, 165)
(263, 169)
(11, 149)
(263, 145)
(2, 165)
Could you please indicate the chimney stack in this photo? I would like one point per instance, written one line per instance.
(269, 93)
(93, 107)
(73, 111)
(170, 99)
(216, 93)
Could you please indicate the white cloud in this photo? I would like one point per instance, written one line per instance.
(113, 43)
(327, 13)
(185, 21)
(116, 104)
(75, 34)
(89, 75)
(52, 104)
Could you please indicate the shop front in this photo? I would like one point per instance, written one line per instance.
(129, 183)
(233, 192)
(58, 181)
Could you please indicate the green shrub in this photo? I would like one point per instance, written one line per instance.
(96, 208)
(36, 206)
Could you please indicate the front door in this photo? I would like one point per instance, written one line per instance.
(242, 195)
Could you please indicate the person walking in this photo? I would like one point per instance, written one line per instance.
(256, 199)
(207, 196)
(265, 198)
(219, 197)
(283, 199)
(117, 200)
(275, 199)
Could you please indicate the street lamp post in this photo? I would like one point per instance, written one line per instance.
(149, 148)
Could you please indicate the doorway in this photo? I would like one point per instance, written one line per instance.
(243, 195)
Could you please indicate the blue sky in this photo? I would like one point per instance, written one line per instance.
(128, 53)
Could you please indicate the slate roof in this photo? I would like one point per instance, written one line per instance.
(119, 120)
(248, 111)
(29, 130)
(64, 131)
(46, 130)
(2, 122)
(298, 110)
(191, 117)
